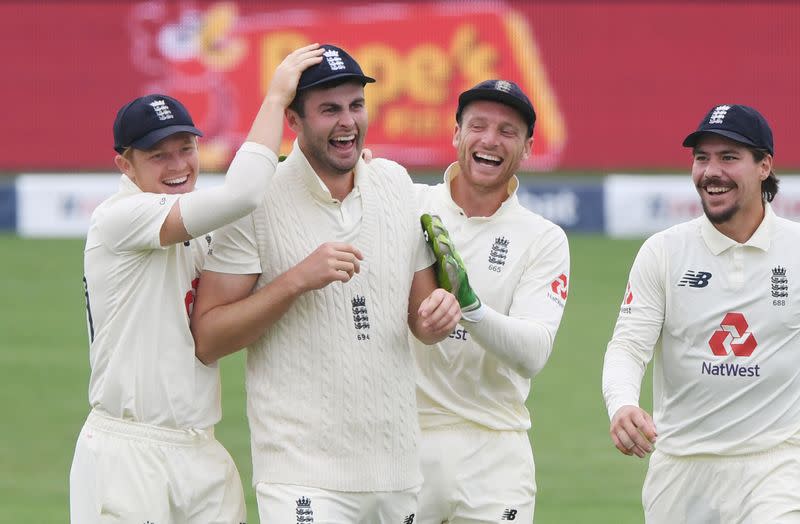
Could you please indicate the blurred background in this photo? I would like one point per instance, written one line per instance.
(616, 85)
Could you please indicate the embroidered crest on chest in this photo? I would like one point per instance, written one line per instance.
(498, 254)
(360, 317)
(779, 283)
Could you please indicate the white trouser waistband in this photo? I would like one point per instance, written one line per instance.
(137, 430)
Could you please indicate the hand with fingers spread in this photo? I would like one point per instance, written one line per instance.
(283, 86)
(267, 128)
(330, 262)
(440, 312)
(633, 431)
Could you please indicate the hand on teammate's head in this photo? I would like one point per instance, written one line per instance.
(283, 86)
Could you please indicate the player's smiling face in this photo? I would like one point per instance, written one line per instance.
(491, 142)
(728, 179)
(331, 133)
(171, 166)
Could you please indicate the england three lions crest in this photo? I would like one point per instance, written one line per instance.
(498, 254)
(305, 515)
(779, 286)
(360, 317)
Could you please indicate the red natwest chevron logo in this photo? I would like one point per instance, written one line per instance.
(559, 286)
(733, 335)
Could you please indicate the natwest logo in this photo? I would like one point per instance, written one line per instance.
(559, 286)
(733, 337)
(628, 295)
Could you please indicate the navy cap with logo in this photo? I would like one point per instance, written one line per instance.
(336, 64)
(736, 122)
(503, 91)
(143, 122)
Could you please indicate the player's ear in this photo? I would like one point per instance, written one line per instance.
(456, 135)
(765, 167)
(123, 164)
(293, 119)
(526, 151)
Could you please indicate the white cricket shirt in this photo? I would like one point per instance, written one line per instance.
(518, 264)
(726, 378)
(330, 385)
(139, 294)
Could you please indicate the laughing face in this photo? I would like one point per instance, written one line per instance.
(492, 142)
(171, 166)
(728, 179)
(331, 132)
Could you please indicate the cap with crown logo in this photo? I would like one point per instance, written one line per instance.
(737, 122)
(146, 120)
(336, 64)
(502, 91)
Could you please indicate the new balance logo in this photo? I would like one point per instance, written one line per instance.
(509, 514)
(409, 519)
(695, 279)
(305, 515)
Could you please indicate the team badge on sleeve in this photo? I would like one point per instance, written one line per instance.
(627, 300)
(559, 288)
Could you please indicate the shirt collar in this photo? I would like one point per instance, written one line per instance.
(761, 238)
(454, 170)
(128, 186)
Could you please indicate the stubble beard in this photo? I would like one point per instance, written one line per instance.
(722, 216)
(322, 158)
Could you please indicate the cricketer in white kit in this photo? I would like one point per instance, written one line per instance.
(321, 283)
(472, 387)
(147, 451)
(711, 302)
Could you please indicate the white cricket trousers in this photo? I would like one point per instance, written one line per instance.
(130, 473)
(759, 488)
(474, 475)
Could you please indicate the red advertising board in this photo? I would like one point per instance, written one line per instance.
(616, 84)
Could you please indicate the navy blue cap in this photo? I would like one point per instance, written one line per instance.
(502, 91)
(146, 120)
(737, 122)
(336, 64)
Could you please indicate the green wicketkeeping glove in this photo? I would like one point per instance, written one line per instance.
(451, 274)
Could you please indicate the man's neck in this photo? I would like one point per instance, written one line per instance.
(477, 201)
(741, 228)
(338, 184)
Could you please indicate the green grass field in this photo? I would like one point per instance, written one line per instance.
(44, 363)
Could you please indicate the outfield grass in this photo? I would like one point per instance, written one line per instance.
(44, 363)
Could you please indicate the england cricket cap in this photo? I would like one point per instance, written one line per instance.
(336, 64)
(502, 91)
(737, 122)
(146, 120)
